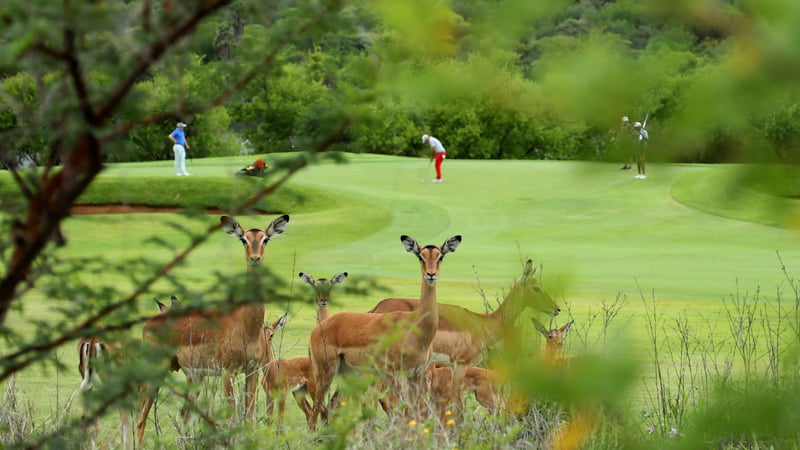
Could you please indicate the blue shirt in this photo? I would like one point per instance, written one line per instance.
(180, 137)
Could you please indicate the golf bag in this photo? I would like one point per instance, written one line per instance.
(257, 169)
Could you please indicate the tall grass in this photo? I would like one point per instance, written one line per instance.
(729, 380)
(645, 374)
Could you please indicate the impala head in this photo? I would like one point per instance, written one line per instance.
(269, 330)
(430, 256)
(173, 303)
(554, 336)
(254, 240)
(535, 296)
(322, 287)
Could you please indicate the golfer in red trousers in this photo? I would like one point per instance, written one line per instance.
(438, 152)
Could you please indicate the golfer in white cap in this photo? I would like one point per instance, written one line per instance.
(178, 138)
(623, 142)
(437, 152)
(641, 137)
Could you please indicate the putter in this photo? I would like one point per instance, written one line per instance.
(427, 169)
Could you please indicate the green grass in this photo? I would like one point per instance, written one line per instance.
(675, 237)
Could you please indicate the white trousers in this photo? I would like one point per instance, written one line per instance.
(180, 160)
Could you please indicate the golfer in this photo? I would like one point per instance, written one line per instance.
(623, 142)
(178, 138)
(437, 152)
(640, 139)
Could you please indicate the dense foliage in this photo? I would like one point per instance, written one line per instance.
(492, 80)
(86, 83)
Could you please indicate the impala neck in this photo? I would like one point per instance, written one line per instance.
(429, 312)
(253, 316)
(501, 321)
(253, 312)
(322, 313)
(551, 353)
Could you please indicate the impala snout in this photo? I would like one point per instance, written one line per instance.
(431, 278)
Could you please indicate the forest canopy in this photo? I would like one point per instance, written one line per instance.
(87, 83)
(510, 79)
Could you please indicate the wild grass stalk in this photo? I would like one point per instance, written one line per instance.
(741, 313)
(16, 421)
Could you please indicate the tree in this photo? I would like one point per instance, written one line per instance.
(85, 83)
(93, 98)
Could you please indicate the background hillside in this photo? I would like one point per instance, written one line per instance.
(493, 80)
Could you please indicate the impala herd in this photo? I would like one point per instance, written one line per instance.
(415, 346)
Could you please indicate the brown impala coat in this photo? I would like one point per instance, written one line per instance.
(394, 343)
(293, 375)
(463, 336)
(484, 383)
(216, 341)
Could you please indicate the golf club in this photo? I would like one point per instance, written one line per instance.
(427, 169)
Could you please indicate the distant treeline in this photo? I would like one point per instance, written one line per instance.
(519, 81)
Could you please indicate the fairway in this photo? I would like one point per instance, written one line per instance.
(598, 232)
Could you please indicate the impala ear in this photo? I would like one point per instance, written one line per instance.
(566, 327)
(537, 271)
(528, 270)
(338, 278)
(278, 225)
(410, 244)
(279, 323)
(231, 226)
(451, 244)
(539, 326)
(307, 278)
(161, 307)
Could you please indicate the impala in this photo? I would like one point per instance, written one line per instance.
(359, 340)
(293, 375)
(463, 336)
(322, 291)
(517, 402)
(487, 384)
(554, 341)
(484, 383)
(173, 304)
(95, 357)
(92, 353)
(578, 429)
(216, 341)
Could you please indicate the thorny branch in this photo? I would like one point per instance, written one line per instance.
(82, 158)
(18, 360)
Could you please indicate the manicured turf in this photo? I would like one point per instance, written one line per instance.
(599, 233)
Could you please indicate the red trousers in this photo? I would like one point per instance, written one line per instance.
(439, 159)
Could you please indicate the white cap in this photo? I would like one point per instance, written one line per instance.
(424, 138)
(637, 124)
(181, 125)
(624, 118)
